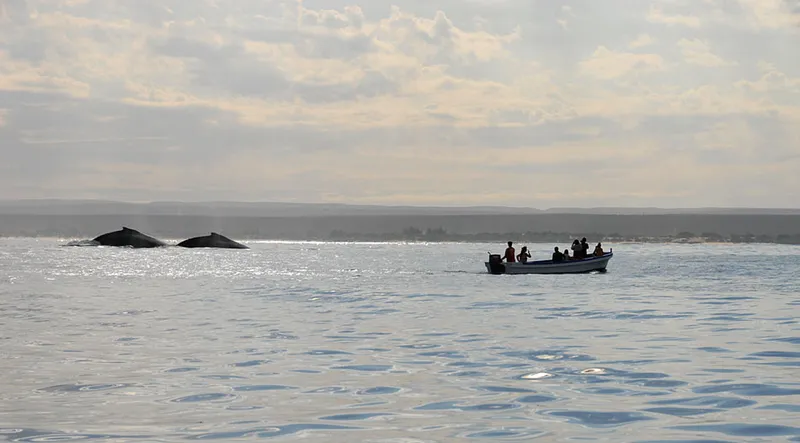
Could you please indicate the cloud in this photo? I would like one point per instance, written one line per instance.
(684, 102)
(772, 13)
(698, 52)
(607, 64)
(566, 13)
(657, 15)
(641, 41)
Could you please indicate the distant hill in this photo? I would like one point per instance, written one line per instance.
(278, 209)
(299, 221)
(496, 227)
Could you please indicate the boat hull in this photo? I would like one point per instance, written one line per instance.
(583, 266)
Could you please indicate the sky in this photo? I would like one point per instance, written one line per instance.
(538, 103)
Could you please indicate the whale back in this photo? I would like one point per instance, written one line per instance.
(213, 240)
(129, 237)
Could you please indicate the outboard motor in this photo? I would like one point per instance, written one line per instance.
(496, 265)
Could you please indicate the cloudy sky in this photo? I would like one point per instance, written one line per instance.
(543, 103)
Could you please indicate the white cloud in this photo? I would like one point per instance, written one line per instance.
(657, 15)
(607, 64)
(567, 12)
(698, 52)
(276, 99)
(641, 41)
(772, 13)
(780, 92)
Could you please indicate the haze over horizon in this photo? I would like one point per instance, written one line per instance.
(520, 103)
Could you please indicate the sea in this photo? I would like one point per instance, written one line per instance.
(397, 342)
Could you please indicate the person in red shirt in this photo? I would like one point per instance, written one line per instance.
(510, 256)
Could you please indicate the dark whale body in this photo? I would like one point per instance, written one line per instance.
(212, 241)
(128, 237)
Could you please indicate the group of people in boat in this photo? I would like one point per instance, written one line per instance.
(580, 250)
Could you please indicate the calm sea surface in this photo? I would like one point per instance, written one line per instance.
(345, 342)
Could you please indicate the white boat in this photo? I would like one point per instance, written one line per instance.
(589, 264)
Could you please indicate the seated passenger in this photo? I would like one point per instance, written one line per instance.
(598, 250)
(557, 256)
(566, 255)
(524, 255)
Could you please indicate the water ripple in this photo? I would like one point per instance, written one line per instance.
(717, 402)
(262, 388)
(273, 431)
(349, 417)
(599, 419)
(35, 435)
(211, 397)
(744, 430)
(84, 388)
(747, 389)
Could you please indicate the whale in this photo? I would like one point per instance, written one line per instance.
(213, 240)
(128, 237)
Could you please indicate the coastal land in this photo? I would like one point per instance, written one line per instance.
(332, 222)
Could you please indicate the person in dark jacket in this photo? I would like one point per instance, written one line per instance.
(584, 248)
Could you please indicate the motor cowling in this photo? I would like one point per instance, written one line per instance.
(496, 265)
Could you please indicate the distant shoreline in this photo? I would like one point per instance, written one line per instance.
(557, 229)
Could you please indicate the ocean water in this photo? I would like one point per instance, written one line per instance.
(344, 342)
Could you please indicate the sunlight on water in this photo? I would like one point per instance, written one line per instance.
(396, 342)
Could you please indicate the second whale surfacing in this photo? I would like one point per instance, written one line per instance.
(213, 240)
(128, 237)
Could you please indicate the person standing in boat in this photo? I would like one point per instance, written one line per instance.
(584, 248)
(576, 249)
(557, 256)
(524, 255)
(510, 253)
